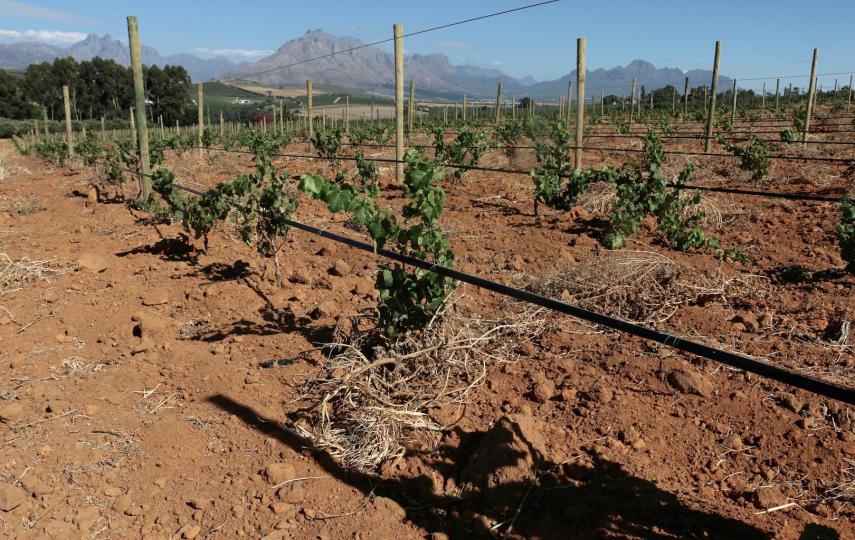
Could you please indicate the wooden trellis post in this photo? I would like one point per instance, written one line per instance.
(632, 103)
(347, 114)
(733, 107)
(580, 98)
(714, 89)
(685, 98)
(310, 121)
(200, 126)
(411, 109)
(498, 101)
(777, 93)
(569, 98)
(398, 32)
(811, 94)
(69, 135)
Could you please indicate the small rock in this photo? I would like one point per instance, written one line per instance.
(769, 497)
(279, 507)
(733, 442)
(543, 390)
(690, 382)
(11, 497)
(86, 517)
(190, 531)
(601, 394)
(276, 473)
(155, 298)
(122, 503)
(142, 347)
(9, 412)
(92, 262)
(326, 309)
(438, 536)
(767, 319)
(364, 288)
(749, 321)
(112, 491)
(340, 268)
(134, 510)
(198, 504)
(790, 401)
(516, 263)
(301, 276)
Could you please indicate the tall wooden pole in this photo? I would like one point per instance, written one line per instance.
(69, 135)
(222, 124)
(580, 98)
(733, 107)
(347, 114)
(632, 103)
(200, 122)
(498, 101)
(777, 93)
(685, 98)
(569, 97)
(848, 100)
(514, 106)
(411, 109)
(811, 94)
(398, 32)
(713, 89)
(763, 99)
(464, 109)
(309, 120)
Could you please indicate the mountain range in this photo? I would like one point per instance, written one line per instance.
(21, 55)
(372, 70)
(367, 69)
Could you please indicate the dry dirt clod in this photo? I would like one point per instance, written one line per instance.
(749, 321)
(155, 298)
(301, 276)
(790, 401)
(92, 262)
(769, 497)
(11, 412)
(11, 497)
(689, 381)
(340, 268)
(733, 442)
(276, 473)
(543, 389)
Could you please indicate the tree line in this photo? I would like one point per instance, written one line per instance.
(97, 88)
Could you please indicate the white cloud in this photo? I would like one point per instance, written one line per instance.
(243, 53)
(10, 8)
(45, 36)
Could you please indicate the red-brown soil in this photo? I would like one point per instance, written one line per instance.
(133, 404)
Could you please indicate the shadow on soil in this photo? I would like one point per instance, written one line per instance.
(170, 249)
(572, 502)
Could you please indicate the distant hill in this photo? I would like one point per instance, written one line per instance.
(618, 80)
(367, 70)
(370, 69)
(21, 55)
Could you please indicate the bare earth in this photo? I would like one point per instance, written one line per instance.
(133, 404)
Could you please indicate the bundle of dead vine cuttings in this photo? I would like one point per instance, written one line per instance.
(15, 274)
(365, 405)
(645, 287)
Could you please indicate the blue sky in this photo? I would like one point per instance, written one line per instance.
(760, 38)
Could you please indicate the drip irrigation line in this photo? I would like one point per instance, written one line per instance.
(735, 191)
(426, 30)
(732, 359)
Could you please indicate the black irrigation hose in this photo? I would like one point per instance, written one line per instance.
(735, 191)
(735, 360)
